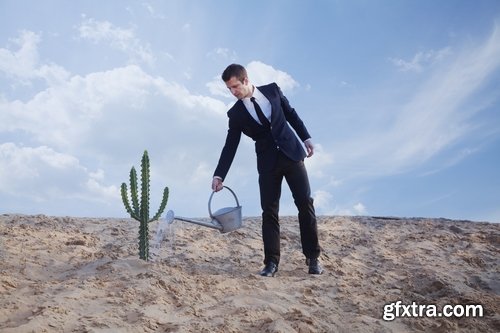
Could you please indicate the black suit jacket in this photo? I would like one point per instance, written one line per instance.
(267, 143)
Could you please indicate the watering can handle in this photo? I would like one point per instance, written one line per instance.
(210, 200)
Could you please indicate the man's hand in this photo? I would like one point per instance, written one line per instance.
(309, 147)
(216, 184)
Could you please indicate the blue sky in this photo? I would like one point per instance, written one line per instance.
(401, 97)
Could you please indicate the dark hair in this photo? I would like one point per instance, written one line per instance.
(234, 70)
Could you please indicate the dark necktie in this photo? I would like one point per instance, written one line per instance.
(260, 114)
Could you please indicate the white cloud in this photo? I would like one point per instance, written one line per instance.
(260, 73)
(23, 64)
(124, 40)
(202, 173)
(106, 119)
(324, 204)
(421, 60)
(345, 84)
(222, 53)
(322, 201)
(70, 114)
(318, 165)
(153, 11)
(359, 209)
(198, 103)
(436, 117)
(97, 191)
(218, 88)
(39, 172)
(60, 114)
(40, 179)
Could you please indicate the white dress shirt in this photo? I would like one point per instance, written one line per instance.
(263, 102)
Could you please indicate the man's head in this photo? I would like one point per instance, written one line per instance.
(234, 70)
(236, 79)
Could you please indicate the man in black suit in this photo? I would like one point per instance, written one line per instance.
(264, 114)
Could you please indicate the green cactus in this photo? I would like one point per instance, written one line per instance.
(140, 211)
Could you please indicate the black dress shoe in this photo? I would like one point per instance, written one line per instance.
(270, 269)
(314, 266)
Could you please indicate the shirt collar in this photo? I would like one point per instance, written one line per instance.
(257, 94)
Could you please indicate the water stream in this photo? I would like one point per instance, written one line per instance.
(163, 243)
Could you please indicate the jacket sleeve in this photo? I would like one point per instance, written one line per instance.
(293, 118)
(229, 150)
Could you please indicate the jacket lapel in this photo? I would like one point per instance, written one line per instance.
(272, 99)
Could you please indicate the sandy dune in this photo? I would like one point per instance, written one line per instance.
(64, 274)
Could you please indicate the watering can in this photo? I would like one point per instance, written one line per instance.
(225, 219)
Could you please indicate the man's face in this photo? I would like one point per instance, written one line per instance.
(239, 89)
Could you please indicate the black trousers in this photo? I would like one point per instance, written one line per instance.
(295, 175)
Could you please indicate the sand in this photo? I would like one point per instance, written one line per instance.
(65, 274)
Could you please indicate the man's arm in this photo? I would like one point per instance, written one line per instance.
(293, 118)
(227, 155)
(297, 124)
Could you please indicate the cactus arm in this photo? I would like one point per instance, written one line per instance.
(162, 205)
(125, 201)
(145, 186)
(133, 191)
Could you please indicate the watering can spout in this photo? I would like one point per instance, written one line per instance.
(213, 224)
(225, 219)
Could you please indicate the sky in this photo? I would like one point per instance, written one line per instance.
(402, 99)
